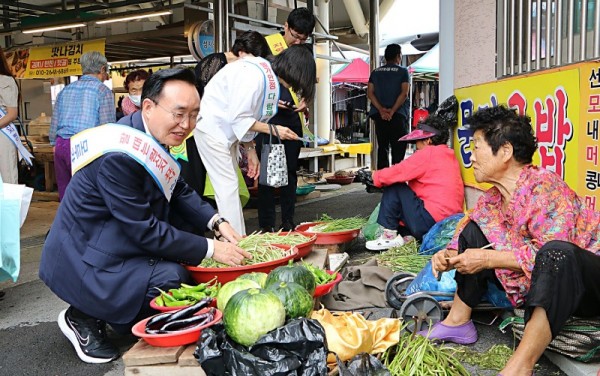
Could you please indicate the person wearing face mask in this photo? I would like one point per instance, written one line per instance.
(83, 104)
(133, 84)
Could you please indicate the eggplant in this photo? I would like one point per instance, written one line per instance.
(158, 320)
(189, 311)
(187, 322)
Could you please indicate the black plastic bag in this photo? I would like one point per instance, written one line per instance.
(448, 110)
(362, 365)
(298, 348)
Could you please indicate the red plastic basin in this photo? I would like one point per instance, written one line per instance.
(304, 249)
(180, 338)
(325, 289)
(224, 275)
(328, 237)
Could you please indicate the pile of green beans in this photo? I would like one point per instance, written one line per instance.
(260, 253)
(495, 358)
(417, 356)
(405, 258)
(337, 225)
(259, 238)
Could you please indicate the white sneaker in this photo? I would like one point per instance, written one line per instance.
(381, 244)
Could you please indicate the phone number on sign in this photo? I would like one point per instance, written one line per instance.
(51, 72)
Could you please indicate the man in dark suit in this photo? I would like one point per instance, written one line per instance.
(118, 232)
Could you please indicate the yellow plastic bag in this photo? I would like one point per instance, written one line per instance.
(349, 334)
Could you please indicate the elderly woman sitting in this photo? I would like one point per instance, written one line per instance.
(422, 189)
(544, 241)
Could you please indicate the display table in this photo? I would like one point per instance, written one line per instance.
(44, 155)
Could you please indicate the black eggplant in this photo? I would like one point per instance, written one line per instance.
(189, 311)
(187, 322)
(158, 320)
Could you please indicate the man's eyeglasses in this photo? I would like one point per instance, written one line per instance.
(179, 117)
(299, 37)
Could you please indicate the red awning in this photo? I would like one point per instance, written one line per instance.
(356, 72)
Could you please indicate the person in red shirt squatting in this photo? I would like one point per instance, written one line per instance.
(422, 189)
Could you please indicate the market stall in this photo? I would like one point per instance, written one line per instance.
(424, 79)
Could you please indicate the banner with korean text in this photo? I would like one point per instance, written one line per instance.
(564, 106)
(57, 60)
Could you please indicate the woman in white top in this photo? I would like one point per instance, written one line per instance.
(9, 96)
(237, 103)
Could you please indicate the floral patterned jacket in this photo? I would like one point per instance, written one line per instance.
(542, 208)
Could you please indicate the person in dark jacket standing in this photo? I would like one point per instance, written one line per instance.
(114, 239)
(297, 29)
(388, 90)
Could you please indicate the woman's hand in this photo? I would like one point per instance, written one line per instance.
(286, 133)
(229, 253)
(253, 164)
(471, 261)
(439, 261)
(301, 106)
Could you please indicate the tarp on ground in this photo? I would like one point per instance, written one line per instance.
(356, 72)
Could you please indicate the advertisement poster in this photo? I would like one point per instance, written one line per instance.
(564, 106)
(57, 60)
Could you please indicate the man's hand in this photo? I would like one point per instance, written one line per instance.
(471, 261)
(229, 233)
(253, 164)
(386, 114)
(229, 253)
(302, 107)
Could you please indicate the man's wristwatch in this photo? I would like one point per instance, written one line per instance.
(218, 223)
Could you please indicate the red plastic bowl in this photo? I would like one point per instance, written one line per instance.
(304, 249)
(224, 275)
(325, 289)
(340, 180)
(180, 338)
(153, 305)
(328, 237)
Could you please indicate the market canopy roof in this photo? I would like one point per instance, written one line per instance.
(356, 72)
(428, 66)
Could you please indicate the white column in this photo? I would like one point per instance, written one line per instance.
(446, 49)
(323, 92)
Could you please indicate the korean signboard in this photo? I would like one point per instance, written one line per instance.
(51, 61)
(564, 106)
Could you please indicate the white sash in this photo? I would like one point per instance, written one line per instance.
(92, 143)
(11, 132)
(271, 98)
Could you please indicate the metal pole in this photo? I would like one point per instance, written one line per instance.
(219, 26)
(597, 30)
(520, 40)
(528, 36)
(374, 54)
(548, 45)
(509, 45)
(583, 30)
(558, 35)
(570, 26)
(538, 34)
(226, 36)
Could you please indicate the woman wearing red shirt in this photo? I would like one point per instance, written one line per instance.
(420, 190)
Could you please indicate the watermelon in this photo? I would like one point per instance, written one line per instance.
(293, 273)
(252, 313)
(296, 300)
(230, 288)
(257, 277)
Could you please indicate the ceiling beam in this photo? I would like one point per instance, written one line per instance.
(38, 8)
(6, 7)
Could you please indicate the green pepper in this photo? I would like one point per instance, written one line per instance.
(178, 294)
(197, 288)
(166, 297)
(159, 301)
(195, 295)
(179, 303)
